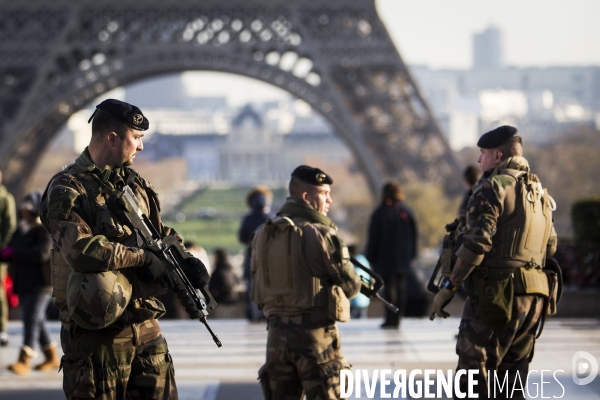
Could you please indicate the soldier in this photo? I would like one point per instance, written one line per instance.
(103, 284)
(302, 280)
(508, 236)
(8, 224)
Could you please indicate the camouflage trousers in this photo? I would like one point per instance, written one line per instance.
(506, 348)
(114, 363)
(302, 361)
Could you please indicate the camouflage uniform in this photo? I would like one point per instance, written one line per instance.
(129, 357)
(499, 347)
(8, 224)
(303, 346)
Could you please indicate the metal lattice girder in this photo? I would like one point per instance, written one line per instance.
(55, 57)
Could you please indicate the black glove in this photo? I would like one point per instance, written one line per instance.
(367, 288)
(189, 305)
(196, 272)
(153, 268)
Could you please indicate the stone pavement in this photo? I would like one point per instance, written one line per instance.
(205, 372)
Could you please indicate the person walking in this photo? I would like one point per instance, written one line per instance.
(391, 248)
(29, 250)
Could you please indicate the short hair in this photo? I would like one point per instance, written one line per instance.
(512, 147)
(103, 124)
(297, 187)
(392, 191)
(471, 174)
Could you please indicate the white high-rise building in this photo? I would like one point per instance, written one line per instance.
(487, 49)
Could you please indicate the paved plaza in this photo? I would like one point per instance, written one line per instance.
(205, 372)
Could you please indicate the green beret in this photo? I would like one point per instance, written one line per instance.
(126, 113)
(312, 176)
(496, 137)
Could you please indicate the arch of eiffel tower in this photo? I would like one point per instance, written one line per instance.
(57, 56)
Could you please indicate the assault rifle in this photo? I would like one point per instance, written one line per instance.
(447, 259)
(171, 253)
(377, 282)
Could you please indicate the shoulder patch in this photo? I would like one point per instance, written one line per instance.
(60, 202)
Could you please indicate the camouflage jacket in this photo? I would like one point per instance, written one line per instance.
(492, 204)
(8, 216)
(89, 237)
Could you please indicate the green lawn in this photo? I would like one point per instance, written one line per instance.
(220, 231)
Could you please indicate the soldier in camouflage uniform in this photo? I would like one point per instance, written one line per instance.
(508, 236)
(303, 346)
(114, 348)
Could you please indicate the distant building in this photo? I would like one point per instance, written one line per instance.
(487, 49)
(250, 150)
(543, 102)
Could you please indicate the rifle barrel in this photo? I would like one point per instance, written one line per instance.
(389, 305)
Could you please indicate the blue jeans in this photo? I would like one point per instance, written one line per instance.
(33, 306)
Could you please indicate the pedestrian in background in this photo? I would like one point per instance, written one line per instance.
(360, 303)
(224, 285)
(259, 201)
(8, 224)
(29, 254)
(471, 175)
(391, 248)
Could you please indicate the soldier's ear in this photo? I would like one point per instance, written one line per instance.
(112, 137)
(304, 197)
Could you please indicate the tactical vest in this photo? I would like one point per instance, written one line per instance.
(104, 224)
(522, 235)
(514, 264)
(281, 277)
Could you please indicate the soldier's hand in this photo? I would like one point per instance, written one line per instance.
(189, 305)
(153, 268)
(441, 300)
(196, 272)
(367, 288)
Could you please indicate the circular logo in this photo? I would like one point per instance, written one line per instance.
(138, 119)
(320, 177)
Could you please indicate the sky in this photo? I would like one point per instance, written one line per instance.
(438, 33)
(537, 33)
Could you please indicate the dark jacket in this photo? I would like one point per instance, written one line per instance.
(249, 224)
(223, 283)
(392, 242)
(30, 264)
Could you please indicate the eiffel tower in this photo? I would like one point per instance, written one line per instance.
(57, 56)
